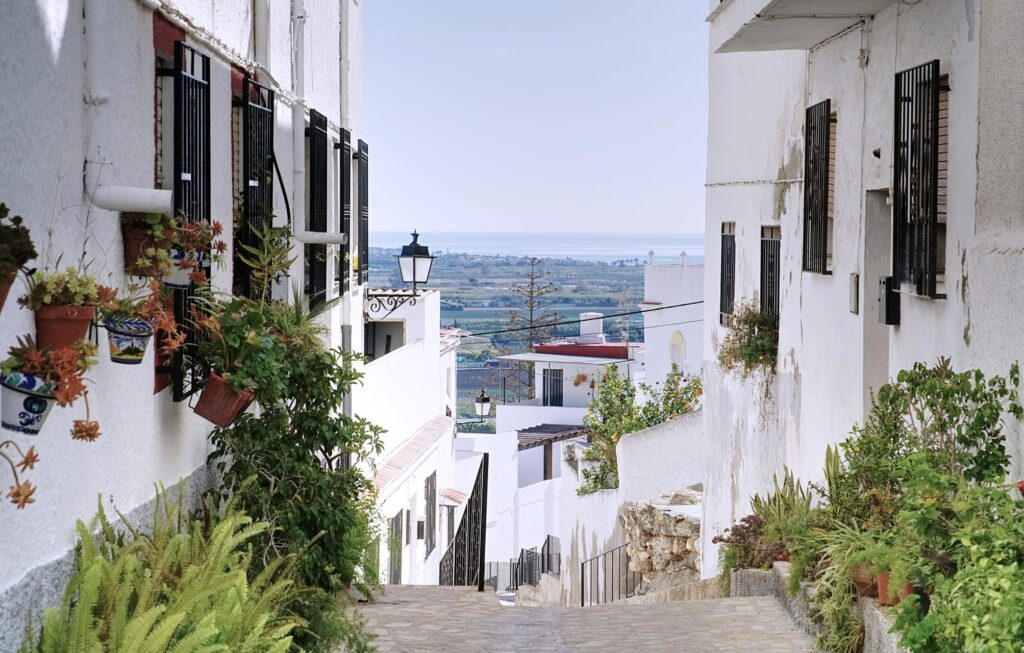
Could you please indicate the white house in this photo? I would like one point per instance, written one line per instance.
(673, 318)
(821, 113)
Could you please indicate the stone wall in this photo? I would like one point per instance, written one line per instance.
(663, 539)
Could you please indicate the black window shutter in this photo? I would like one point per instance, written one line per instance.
(257, 182)
(191, 198)
(771, 259)
(727, 290)
(364, 212)
(316, 255)
(817, 143)
(915, 177)
(344, 256)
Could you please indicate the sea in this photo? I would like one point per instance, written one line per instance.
(606, 247)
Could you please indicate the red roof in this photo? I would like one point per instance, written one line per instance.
(610, 350)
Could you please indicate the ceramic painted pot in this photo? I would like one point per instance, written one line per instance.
(178, 276)
(220, 403)
(128, 337)
(62, 326)
(25, 402)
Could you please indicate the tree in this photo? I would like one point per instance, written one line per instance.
(533, 321)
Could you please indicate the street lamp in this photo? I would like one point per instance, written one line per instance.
(414, 262)
(482, 405)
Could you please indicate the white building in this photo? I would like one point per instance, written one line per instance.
(673, 330)
(809, 207)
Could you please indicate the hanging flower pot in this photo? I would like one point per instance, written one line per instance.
(25, 402)
(180, 272)
(128, 336)
(62, 326)
(136, 241)
(5, 287)
(220, 403)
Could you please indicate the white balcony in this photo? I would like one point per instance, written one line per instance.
(762, 25)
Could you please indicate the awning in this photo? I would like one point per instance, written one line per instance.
(799, 24)
(538, 436)
(453, 497)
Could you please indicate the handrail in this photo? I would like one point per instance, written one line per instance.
(610, 578)
(463, 561)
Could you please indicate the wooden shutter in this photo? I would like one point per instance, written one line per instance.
(344, 254)
(819, 162)
(316, 255)
(727, 283)
(364, 212)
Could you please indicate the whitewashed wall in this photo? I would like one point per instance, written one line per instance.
(670, 285)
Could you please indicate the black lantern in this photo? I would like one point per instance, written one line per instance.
(482, 405)
(414, 262)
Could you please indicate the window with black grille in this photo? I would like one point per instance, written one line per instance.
(344, 271)
(257, 192)
(553, 387)
(727, 283)
(395, 550)
(191, 172)
(430, 519)
(364, 212)
(771, 259)
(316, 216)
(819, 187)
(920, 155)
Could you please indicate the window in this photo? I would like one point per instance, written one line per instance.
(395, 550)
(677, 349)
(727, 291)
(920, 152)
(191, 181)
(316, 255)
(552, 391)
(344, 271)
(771, 241)
(819, 187)
(257, 193)
(430, 516)
(408, 526)
(364, 212)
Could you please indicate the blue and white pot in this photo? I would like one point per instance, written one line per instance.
(128, 337)
(178, 276)
(25, 402)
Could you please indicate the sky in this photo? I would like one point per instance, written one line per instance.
(536, 115)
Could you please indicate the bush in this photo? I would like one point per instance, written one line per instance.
(751, 343)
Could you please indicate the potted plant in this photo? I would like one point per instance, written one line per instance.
(16, 249)
(892, 569)
(146, 238)
(64, 303)
(193, 244)
(132, 319)
(34, 379)
(243, 355)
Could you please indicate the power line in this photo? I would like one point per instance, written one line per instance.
(580, 321)
(657, 326)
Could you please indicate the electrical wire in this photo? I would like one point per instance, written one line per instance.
(581, 320)
(556, 339)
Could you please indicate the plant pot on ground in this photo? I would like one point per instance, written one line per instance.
(146, 238)
(65, 305)
(865, 580)
(16, 250)
(888, 595)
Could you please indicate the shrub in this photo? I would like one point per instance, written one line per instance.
(751, 343)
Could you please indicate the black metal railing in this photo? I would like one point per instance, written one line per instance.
(727, 291)
(817, 182)
(607, 577)
(344, 269)
(771, 257)
(363, 155)
(551, 556)
(526, 568)
(463, 562)
(191, 199)
(916, 178)
(498, 576)
(316, 255)
(257, 106)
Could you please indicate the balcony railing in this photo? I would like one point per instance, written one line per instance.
(463, 562)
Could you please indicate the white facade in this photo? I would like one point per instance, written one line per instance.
(82, 94)
(764, 74)
(672, 336)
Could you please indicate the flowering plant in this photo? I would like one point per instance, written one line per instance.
(69, 287)
(151, 303)
(21, 492)
(199, 240)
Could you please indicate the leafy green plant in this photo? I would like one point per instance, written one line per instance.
(269, 259)
(744, 547)
(241, 346)
(16, 248)
(751, 343)
(182, 587)
(835, 597)
(69, 287)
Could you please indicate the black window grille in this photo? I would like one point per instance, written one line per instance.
(552, 391)
(191, 198)
(771, 253)
(916, 179)
(316, 255)
(430, 519)
(344, 256)
(257, 106)
(364, 212)
(819, 184)
(727, 290)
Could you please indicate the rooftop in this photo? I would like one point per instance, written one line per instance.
(411, 450)
(538, 436)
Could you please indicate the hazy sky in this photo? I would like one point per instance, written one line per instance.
(536, 115)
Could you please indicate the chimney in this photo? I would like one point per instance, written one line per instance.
(591, 331)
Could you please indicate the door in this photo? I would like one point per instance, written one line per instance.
(552, 381)
(395, 550)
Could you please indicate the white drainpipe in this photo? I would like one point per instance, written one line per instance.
(100, 169)
(299, 136)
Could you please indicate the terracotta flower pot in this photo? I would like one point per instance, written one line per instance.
(897, 595)
(136, 241)
(27, 400)
(220, 403)
(864, 580)
(61, 326)
(5, 287)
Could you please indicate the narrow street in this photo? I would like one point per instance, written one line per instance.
(459, 620)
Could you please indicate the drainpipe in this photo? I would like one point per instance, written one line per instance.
(299, 136)
(99, 166)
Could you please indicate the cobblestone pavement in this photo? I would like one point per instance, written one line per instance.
(457, 620)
